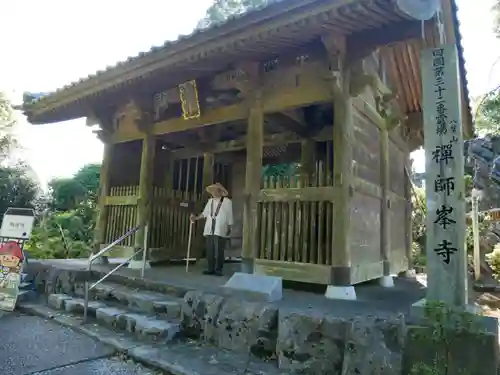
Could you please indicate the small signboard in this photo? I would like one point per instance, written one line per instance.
(11, 261)
(189, 100)
(17, 223)
(494, 215)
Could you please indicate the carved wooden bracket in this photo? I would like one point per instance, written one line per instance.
(360, 78)
(412, 130)
(104, 135)
(249, 81)
(106, 121)
(141, 110)
(388, 108)
(335, 46)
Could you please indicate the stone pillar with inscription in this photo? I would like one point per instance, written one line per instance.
(446, 254)
(468, 334)
(447, 276)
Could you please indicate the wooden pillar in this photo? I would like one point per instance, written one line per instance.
(208, 170)
(254, 145)
(169, 173)
(385, 231)
(308, 160)
(408, 213)
(104, 190)
(145, 191)
(343, 176)
(207, 179)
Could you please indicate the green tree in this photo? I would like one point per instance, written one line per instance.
(67, 230)
(487, 118)
(17, 189)
(66, 193)
(81, 189)
(7, 123)
(221, 10)
(89, 176)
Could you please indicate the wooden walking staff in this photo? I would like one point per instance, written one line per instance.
(190, 236)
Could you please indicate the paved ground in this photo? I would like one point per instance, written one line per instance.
(34, 346)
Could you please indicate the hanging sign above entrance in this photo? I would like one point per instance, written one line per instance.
(189, 99)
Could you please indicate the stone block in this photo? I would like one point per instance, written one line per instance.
(56, 301)
(128, 321)
(171, 308)
(465, 352)
(77, 305)
(199, 313)
(375, 346)
(320, 345)
(155, 329)
(311, 344)
(74, 306)
(109, 315)
(253, 286)
(246, 326)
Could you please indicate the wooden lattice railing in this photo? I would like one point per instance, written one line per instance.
(122, 213)
(296, 215)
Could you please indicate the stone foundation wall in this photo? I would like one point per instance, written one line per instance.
(297, 342)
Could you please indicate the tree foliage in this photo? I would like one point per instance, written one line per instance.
(221, 10)
(7, 123)
(487, 119)
(66, 216)
(17, 189)
(66, 230)
(496, 21)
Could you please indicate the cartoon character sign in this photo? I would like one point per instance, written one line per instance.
(11, 260)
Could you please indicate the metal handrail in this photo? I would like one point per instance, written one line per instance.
(92, 258)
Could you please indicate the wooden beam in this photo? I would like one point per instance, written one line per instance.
(287, 123)
(307, 194)
(364, 43)
(366, 187)
(295, 271)
(273, 102)
(238, 144)
(124, 200)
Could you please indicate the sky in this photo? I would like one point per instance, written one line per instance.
(51, 43)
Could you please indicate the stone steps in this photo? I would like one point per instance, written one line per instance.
(137, 300)
(151, 327)
(180, 357)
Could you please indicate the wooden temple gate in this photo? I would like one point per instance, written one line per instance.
(182, 193)
(295, 211)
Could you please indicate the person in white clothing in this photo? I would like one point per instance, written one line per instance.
(218, 213)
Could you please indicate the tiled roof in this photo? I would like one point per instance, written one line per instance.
(167, 44)
(271, 6)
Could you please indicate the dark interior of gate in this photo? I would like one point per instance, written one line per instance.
(288, 230)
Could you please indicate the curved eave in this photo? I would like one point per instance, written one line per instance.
(256, 34)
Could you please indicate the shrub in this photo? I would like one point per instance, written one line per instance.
(493, 260)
